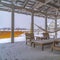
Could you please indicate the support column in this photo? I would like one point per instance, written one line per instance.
(56, 26)
(46, 22)
(12, 24)
(0, 0)
(32, 23)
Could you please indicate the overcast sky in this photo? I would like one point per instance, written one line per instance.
(21, 20)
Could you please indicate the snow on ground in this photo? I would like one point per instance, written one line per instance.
(20, 51)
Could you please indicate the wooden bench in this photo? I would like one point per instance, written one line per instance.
(56, 45)
(42, 43)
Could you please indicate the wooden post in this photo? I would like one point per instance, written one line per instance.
(0, 0)
(32, 23)
(12, 24)
(56, 26)
(32, 26)
(46, 21)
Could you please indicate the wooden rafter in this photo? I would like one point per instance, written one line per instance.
(25, 3)
(16, 6)
(47, 30)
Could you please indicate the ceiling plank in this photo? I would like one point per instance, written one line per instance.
(43, 1)
(53, 5)
(17, 7)
(25, 3)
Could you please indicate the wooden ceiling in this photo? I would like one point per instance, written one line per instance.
(38, 7)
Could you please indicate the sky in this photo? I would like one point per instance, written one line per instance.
(21, 20)
(5, 19)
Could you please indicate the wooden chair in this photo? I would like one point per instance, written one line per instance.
(46, 35)
(29, 37)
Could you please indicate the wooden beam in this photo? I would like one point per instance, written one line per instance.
(53, 5)
(30, 10)
(32, 23)
(25, 3)
(46, 21)
(55, 26)
(43, 1)
(0, 0)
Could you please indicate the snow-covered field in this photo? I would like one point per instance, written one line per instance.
(16, 39)
(22, 38)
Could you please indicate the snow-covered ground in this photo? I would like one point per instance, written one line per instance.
(20, 51)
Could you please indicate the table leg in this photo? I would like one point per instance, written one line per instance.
(42, 47)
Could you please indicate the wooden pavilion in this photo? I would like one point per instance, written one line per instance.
(41, 8)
